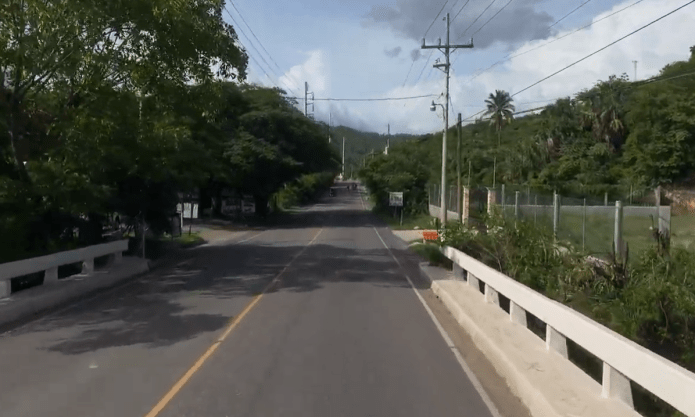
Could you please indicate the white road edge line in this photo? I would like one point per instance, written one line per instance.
(471, 376)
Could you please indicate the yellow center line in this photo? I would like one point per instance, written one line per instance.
(232, 325)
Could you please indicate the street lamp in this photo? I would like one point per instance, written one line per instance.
(442, 201)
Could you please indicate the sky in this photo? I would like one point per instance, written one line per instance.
(371, 49)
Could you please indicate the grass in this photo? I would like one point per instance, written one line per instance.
(683, 231)
(410, 222)
(431, 252)
(599, 229)
(186, 240)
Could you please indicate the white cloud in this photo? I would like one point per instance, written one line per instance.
(348, 61)
(315, 70)
(664, 42)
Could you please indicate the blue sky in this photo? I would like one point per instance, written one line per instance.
(363, 49)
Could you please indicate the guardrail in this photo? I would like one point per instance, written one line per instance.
(623, 359)
(50, 263)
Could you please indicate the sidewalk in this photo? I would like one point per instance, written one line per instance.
(408, 236)
(547, 383)
(27, 304)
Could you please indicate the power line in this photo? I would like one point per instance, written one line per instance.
(409, 69)
(436, 17)
(460, 10)
(510, 57)
(254, 48)
(631, 85)
(423, 68)
(259, 53)
(373, 99)
(599, 50)
(498, 12)
(555, 23)
(476, 19)
(259, 42)
(565, 16)
(428, 59)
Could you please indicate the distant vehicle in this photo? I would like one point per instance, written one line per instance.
(332, 192)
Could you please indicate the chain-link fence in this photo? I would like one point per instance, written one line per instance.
(683, 217)
(587, 223)
(590, 223)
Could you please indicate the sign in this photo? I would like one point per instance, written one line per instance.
(396, 199)
(430, 235)
(248, 207)
(190, 210)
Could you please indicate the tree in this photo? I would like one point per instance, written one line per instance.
(660, 148)
(75, 45)
(603, 110)
(501, 111)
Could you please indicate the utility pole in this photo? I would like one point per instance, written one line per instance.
(446, 49)
(388, 140)
(306, 101)
(329, 127)
(343, 174)
(635, 62)
(458, 171)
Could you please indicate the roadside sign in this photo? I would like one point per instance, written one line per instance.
(190, 210)
(396, 199)
(248, 207)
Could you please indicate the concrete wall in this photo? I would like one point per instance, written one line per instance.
(436, 211)
(50, 263)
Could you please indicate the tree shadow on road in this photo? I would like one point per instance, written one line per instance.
(206, 288)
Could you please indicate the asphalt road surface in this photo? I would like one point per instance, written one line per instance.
(324, 315)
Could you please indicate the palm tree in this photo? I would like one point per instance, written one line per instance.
(602, 110)
(501, 111)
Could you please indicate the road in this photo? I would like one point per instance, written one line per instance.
(323, 315)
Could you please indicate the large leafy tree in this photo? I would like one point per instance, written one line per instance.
(660, 148)
(75, 45)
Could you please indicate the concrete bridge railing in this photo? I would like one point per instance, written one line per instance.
(623, 359)
(49, 263)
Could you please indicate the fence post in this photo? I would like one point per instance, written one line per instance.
(516, 204)
(605, 198)
(535, 209)
(556, 213)
(584, 227)
(618, 231)
(491, 199)
(502, 200)
(466, 209)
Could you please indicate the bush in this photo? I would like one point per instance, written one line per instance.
(524, 252)
(651, 302)
(306, 188)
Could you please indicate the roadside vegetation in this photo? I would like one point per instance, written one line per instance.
(619, 137)
(303, 190)
(650, 301)
(120, 109)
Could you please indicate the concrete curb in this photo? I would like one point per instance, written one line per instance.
(434, 273)
(549, 386)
